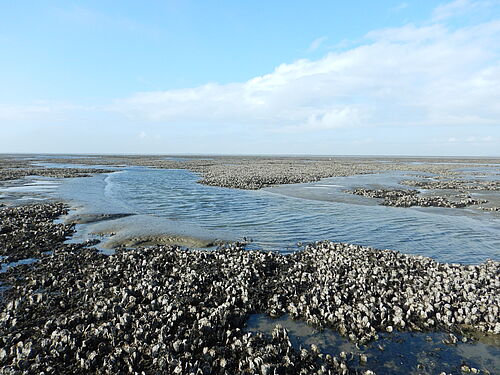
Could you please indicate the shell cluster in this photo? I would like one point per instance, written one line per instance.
(13, 168)
(169, 310)
(253, 176)
(16, 173)
(409, 198)
(362, 291)
(258, 172)
(454, 184)
(28, 231)
(147, 310)
(491, 209)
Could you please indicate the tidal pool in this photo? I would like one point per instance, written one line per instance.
(397, 353)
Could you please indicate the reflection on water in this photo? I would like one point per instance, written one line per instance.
(396, 353)
(278, 222)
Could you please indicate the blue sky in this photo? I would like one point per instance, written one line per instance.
(280, 77)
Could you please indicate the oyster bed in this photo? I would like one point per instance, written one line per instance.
(410, 198)
(256, 172)
(454, 184)
(172, 310)
(28, 231)
(12, 168)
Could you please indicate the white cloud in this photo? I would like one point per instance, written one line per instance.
(459, 8)
(16, 112)
(401, 6)
(39, 111)
(411, 75)
(430, 75)
(471, 139)
(362, 142)
(316, 43)
(484, 139)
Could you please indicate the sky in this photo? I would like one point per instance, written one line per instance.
(250, 77)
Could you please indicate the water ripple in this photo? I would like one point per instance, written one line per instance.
(276, 221)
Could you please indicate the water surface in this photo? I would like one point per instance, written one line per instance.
(397, 353)
(274, 220)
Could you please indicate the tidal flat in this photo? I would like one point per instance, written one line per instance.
(251, 265)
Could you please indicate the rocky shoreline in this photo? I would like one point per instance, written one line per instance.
(164, 309)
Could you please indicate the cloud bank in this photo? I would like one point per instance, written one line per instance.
(428, 75)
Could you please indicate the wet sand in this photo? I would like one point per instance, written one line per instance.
(132, 230)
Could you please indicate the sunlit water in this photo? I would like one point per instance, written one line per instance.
(278, 218)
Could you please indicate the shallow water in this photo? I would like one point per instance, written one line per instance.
(395, 353)
(28, 189)
(30, 185)
(276, 220)
(4, 267)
